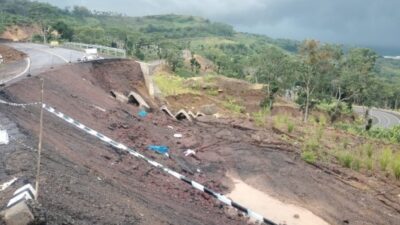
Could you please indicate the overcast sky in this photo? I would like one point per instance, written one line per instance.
(374, 23)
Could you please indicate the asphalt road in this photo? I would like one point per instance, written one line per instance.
(381, 118)
(40, 58)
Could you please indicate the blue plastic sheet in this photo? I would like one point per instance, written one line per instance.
(143, 113)
(159, 149)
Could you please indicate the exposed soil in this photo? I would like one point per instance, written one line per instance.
(19, 33)
(86, 182)
(10, 54)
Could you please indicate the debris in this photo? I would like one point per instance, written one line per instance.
(18, 214)
(189, 152)
(142, 113)
(178, 135)
(209, 109)
(170, 127)
(161, 149)
(8, 184)
(4, 139)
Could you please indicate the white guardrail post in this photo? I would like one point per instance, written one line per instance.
(115, 52)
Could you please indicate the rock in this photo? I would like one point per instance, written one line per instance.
(209, 109)
(19, 214)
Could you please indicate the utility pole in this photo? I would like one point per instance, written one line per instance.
(40, 142)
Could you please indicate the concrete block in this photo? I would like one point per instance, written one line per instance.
(19, 214)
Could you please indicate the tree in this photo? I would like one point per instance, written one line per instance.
(81, 11)
(62, 28)
(358, 77)
(315, 70)
(194, 65)
(43, 14)
(174, 59)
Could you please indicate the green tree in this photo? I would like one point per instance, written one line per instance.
(315, 71)
(64, 30)
(174, 59)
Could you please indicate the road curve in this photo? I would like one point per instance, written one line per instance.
(381, 118)
(41, 58)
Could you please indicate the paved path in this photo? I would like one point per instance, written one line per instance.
(41, 58)
(381, 118)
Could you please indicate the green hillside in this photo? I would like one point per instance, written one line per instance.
(320, 72)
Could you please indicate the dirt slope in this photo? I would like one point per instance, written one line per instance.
(86, 182)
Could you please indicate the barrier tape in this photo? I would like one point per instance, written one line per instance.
(19, 104)
(22, 143)
(177, 175)
(123, 147)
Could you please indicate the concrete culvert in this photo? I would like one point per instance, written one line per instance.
(135, 99)
(182, 114)
(167, 111)
(119, 96)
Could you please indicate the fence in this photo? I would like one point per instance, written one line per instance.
(103, 50)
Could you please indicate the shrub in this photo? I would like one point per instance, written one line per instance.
(309, 156)
(396, 167)
(233, 106)
(368, 149)
(311, 145)
(345, 159)
(259, 117)
(385, 158)
(356, 165)
(369, 164)
(290, 127)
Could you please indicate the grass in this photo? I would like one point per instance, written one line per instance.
(369, 164)
(233, 106)
(259, 117)
(345, 159)
(290, 127)
(396, 167)
(309, 156)
(385, 158)
(171, 85)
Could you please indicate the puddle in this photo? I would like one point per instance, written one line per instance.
(272, 208)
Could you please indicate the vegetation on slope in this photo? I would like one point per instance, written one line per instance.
(311, 71)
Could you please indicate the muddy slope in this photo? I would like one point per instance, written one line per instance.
(86, 182)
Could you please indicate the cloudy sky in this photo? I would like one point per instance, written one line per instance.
(373, 23)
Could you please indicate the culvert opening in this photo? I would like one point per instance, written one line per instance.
(181, 116)
(132, 100)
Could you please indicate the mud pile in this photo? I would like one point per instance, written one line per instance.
(10, 54)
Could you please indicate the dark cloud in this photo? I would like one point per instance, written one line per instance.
(362, 22)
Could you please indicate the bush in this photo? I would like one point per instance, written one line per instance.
(259, 117)
(309, 156)
(233, 106)
(290, 127)
(369, 164)
(311, 145)
(385, 158)
(345, 159)
(396, 167)
(356, 165)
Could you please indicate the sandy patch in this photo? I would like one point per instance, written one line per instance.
(272, 208)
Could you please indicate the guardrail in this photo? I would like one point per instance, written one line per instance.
(104, 50)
